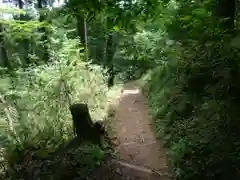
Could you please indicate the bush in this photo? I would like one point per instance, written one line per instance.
(35, 102)
(140, 52)
(195, 104)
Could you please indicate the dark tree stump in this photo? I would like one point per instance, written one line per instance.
(83, 126)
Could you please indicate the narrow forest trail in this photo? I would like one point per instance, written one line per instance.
(140, 153)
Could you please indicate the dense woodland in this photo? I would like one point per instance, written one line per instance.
(183, 53)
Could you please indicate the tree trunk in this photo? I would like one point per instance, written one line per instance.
(4, 55)
(225, 9)
(20, 4)
(81, 28)
(25, 42)
(44, 32)
(83, 126)
(110, 54)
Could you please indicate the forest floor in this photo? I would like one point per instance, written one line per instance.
(140, 155)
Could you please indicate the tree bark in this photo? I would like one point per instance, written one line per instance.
(110, 53)
(4, 55)
(44, 32)
(81, 28)
(225, 9)
(25, 42)
(83, 126)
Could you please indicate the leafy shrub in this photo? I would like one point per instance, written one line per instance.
(195, 99)
(196, 114)
(35, 101)
(141, 52)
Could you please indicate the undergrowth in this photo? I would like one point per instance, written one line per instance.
(35, 120)
(195, 105)
(194, 97)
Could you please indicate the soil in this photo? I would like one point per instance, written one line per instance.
(140, 154)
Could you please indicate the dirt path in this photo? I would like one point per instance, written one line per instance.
(138, 146)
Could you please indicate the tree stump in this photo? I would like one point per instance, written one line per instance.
(83, 126)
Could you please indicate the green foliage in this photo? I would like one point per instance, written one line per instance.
(36, 100)
(140, 52)
(189, 55)
(194, 99)
(43, 72)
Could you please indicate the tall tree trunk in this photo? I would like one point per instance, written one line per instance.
(225, 9)
(44, 32)
(3, 52)
(110, 54)
(86, 38)
(25, 42)
(20, 5)
(80, 27)
(82, 32)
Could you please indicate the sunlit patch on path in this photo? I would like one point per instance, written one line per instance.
(131, 91)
